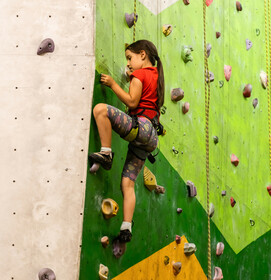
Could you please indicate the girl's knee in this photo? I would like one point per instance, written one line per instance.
(99, 109)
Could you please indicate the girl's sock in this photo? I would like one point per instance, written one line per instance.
(126, 225)
(106, 150)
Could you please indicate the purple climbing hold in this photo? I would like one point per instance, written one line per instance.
(119, 248)
(47, 274)
(218, 273)
(247, 90)
(192, 190)
(248, 44)
(239, 7)
(179, 210)
(130, 19)
(255, 102)
(47, 45)
(177, 94)
(211, 77)
(223, 193)
(208, 49)
(219, 248)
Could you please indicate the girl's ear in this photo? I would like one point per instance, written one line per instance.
(143, 54)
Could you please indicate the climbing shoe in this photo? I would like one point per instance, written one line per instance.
(125, 236)
(103, 158)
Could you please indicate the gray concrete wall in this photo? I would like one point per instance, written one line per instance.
(45, 104)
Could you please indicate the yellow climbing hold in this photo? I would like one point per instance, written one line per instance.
(110, 208)
(149, 179)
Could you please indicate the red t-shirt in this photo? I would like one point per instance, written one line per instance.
(148, 77)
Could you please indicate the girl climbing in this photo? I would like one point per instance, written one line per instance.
(139, 127)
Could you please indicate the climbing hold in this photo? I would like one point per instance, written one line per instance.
(263, 77)
(186, 53)
(218, 273)
(105, 241)
(233, 202)
(227, 72)
(47, 45)
(238, 6)
(189, 248)
(217, 34)
(209, 2)
(255, 102)
(258, 32)
(219, 248)
(178, 239)
(192, 190)
(216, 140)
(94, 168)
(166, 260)
(110, 208)
(103, 272)
(130, 19)
(119, 248)
(248, 44)
(223, 193)
(234, 160)
(47, 274)
(177, 94)
(269, 190)
(252, 222)
(211, 77)
(160, 189)
(179, 210)
(211, 210)
(167, 29)
(149, 179)
(177, 267)
(208, 49)
(247, 90)
(186, 2)
(186, 106)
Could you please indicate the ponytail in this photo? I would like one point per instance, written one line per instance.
(152, 53)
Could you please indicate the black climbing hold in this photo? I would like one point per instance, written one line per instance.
(166, 260)
(47, 45)
(221, 84)
(175, 151)
(252, 222)
(130, 19)
(258, 32)
(47, 274)
(179, 210)
(163, 110)
(119, 248)
(216, 140)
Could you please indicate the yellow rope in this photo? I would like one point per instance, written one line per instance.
(134, 33)
(268, 70)
(207, 109)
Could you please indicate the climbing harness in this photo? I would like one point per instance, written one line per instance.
(132, 134)
(268, 69)
(207, 107)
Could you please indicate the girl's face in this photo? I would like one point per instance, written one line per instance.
(135, 61)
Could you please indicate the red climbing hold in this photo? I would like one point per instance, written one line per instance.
(178, 239)
(218, 273)
(186, 2)
(269, 190)
(209, 2)
(247, 90)
(186, 107)
(227, 72)
(234, 160)
(219, 248)
(217, 34)
(232, 202)
(238, 6)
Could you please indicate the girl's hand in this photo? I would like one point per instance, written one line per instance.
(107, 80)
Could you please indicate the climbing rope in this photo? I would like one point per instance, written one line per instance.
(268, 69)
(134, 33)
(207, 109)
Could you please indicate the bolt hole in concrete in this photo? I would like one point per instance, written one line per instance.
(14, 181)
(15, 150)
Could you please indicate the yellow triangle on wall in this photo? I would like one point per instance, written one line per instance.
(155, 268)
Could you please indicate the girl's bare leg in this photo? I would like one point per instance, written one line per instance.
(103, 124)
(129, 199)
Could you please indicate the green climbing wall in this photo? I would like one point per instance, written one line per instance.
(241, 129)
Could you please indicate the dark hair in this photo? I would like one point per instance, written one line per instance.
(152, 54)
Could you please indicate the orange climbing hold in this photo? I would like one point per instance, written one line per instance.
(209, 2)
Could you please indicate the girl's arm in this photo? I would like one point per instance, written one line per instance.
(131, 98)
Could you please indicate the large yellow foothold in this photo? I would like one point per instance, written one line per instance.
(167, 29)
(110, 208)
(103, 272)
(149, 179)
